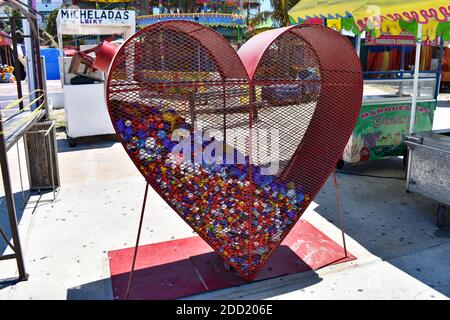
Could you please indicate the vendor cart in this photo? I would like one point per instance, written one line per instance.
(414, 94)
(384, 119)
(429, 169)
(385, 40)
(84, 92)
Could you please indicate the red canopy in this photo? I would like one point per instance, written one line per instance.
(4, 39)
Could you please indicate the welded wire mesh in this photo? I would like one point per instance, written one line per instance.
(226, 151)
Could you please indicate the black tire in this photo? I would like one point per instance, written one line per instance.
(441, 216)
(340, 164)
(72, 143)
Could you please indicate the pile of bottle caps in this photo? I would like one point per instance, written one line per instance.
(239, 212)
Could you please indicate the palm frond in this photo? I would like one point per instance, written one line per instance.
(260, 18)
(280, 10)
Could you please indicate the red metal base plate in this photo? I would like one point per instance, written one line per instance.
(180, 268)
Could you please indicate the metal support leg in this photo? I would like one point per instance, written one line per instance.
(341, 213)
(20, 175)
(52, 173)
(136, 247)
(16, 60)
(12, 217)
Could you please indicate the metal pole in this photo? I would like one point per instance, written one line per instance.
(16, 60)
(44, 87)
(136, 247)
(416, 80)
(224, 106)
(341, 213)
(31, 76)
(358, 46)
(50, 158)
(61, 54)
(9, 197)
(439, 69)
(250, 161)
(20, 174)
(37, 63)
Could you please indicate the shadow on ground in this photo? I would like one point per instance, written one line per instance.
(97, 290)
(4, 221)
(204, 273)
(396, 226)
(87, 143)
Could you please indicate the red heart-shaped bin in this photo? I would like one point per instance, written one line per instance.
(186, 106)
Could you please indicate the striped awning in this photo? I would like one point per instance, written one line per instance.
(422, 11)
(207, 19)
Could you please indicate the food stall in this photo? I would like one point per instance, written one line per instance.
(225, 17)
(429, 168)
(84, 92)
(230, 25)
(6, 59)
(399, 74)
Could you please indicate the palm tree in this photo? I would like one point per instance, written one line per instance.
(279, 13)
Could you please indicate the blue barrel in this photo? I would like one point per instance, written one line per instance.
(51, 62)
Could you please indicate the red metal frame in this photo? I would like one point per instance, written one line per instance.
(324, 94)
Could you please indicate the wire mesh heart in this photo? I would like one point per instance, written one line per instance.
(238, 144)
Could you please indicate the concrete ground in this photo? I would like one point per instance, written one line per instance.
(401, 253)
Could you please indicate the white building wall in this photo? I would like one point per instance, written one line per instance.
(47, 6)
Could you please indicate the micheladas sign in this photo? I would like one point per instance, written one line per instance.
(91, 16)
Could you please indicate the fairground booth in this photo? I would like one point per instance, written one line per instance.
(83, 84)
(399, 72)
(228, 17)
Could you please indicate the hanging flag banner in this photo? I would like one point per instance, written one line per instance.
(88, 21)
(89, 16)
(405, 39)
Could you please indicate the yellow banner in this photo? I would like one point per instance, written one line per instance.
(423, 10)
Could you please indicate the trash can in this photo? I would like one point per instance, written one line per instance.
(42, 155)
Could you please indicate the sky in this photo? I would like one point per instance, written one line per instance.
(265, 5)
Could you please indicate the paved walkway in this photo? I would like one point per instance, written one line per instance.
(401, 253)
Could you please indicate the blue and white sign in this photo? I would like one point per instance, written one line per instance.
(91, 21)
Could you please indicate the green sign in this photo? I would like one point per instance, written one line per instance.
(380, 127)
